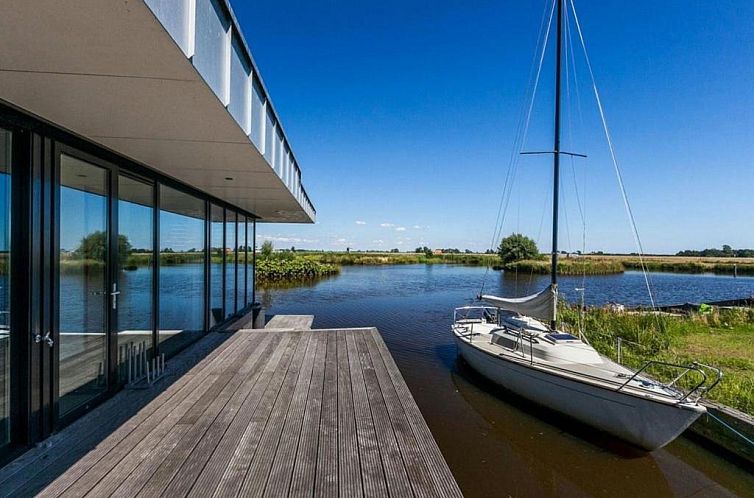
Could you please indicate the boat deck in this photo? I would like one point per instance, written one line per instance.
(265, 413)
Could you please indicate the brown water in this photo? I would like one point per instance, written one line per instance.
(498, 444)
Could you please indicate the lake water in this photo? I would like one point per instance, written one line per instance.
(495, 443)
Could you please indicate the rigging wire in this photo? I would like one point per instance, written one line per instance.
(522, 129)
(619, 175)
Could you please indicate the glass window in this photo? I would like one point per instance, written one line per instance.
(279, 152)
(269, 137)
(258, 117)
(174, 16)
(135, 268)
(83, 292)
(242, 299)
(181, 269)
(250, 261)
(217, 251)
(5, 336)
(211, 46)
(240, 98)
(231, 254)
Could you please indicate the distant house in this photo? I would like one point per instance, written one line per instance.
(437, 251)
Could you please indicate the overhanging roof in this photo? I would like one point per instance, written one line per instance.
(110, 72)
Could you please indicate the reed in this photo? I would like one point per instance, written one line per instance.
(573, 266)
(295, 269)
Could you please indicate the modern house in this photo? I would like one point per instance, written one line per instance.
(139, 147)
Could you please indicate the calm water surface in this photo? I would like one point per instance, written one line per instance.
(497, 444)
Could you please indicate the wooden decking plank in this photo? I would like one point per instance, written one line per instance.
(283, 461)
(210, 476)
(63, 448)
(130, 484)
(127, 460)
(396, 476)
(303, 462)
(372, 472)
(167, 470)
(349, 468)
(102, 458)
(137, 468)
(245, 451)
(290, 322)
(326, 475)
(251, 371)
(259, 470)
(428, 447)
(420, 477)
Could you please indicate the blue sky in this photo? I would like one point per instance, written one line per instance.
(403, 113)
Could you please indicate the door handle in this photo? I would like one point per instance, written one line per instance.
(48, 339)
(115, 293)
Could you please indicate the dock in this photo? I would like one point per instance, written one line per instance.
(271, 412)
(290, 322)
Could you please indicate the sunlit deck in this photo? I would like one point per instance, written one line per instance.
(265, 413)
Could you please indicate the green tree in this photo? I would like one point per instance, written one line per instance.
(94, 247)
(428, 252)
(267, 247)
(517, 247)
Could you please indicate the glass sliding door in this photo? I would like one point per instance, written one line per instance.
(231, 256)
(216, 269)
(242, 262)
(5, 291)
(250, 261)
(83, 292)
(181, 299)
(135, 271)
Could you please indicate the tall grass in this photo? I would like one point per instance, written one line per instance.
(723, 338)
(574, 266)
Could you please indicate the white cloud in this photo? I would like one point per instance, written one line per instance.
(417, 227)
(359, 222)
(387, 225)
(378, 242)
(274, 238)
(342, 241)
(400, 229)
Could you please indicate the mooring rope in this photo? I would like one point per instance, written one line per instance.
(731, 428)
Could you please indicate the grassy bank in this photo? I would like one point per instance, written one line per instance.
(723, 338)
(386, 258)
(567, 266)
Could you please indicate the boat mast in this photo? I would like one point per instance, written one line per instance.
(556, 167)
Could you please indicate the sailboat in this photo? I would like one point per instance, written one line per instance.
(516, 343)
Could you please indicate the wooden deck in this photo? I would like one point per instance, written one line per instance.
(266, 413)
(290, 322)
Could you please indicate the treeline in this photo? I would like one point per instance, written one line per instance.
(726, 252)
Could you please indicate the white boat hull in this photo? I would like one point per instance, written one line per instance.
(645, 423)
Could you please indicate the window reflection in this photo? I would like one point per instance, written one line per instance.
(135, 268)
(181, 269)
(217, 249)
(83, 296)
(5, 190)
(230, 263)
